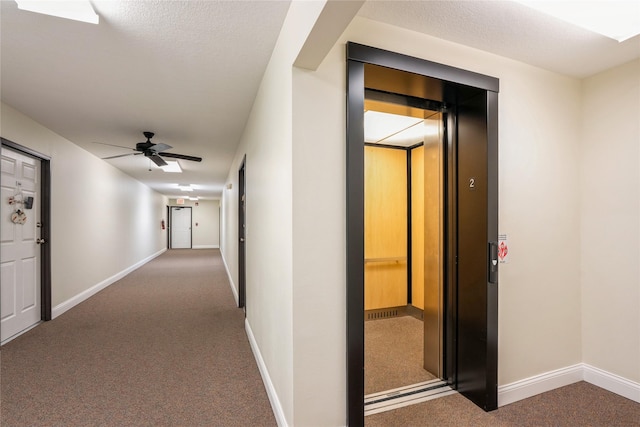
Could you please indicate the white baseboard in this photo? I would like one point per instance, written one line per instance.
(205, 247)
(539, 384)
(548, 381)
(264, 372)
(82, 296)
(612, 382)
(532, 386)
(233, 286)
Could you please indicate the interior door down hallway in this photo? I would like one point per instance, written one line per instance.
(25, 295)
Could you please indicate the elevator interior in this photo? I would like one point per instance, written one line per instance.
(403, 243)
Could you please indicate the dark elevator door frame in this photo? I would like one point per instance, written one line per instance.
(470, 94)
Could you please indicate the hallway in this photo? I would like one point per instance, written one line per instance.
(166, 345)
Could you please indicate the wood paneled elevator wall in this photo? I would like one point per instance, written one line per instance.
(403, 226)
(386, 257)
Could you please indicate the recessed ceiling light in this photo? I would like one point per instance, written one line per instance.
(616, 19)
(184, 187)
(78, 10)
(396, 129)
(172, 166)
(379, 126)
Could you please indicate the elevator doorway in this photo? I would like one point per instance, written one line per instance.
(465, 329)
(403, 240)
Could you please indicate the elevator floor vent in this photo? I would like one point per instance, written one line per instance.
(383, 313)
(388, 312)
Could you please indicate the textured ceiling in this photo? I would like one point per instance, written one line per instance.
(186, 70)
(189, 70)
(510, 29)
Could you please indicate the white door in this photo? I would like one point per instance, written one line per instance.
(180, 228)
(19, 251)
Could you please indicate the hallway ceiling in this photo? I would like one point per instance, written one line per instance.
(189, 70)
(186, 70)
(513, 30)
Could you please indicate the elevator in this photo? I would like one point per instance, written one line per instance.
(421, 225)
(403, 241)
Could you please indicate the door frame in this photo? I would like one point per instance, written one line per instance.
(452, 80)
(171, 208)
(45, 219)
(242, 250)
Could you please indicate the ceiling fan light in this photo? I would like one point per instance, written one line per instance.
(77, 10)
(172, 166)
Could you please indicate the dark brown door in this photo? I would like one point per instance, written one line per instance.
(241, 237)
(476, 317)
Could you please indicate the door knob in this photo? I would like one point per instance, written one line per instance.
(41, 241)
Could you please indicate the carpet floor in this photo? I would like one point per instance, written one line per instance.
(577, 405)
(164, 346)
(393, 354)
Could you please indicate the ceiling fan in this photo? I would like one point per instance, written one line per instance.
(154, 152)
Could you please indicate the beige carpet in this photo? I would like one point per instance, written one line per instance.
(578, 405)
(164, 346)
(393, 354)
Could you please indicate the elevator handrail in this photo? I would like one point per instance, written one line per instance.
(386, 259)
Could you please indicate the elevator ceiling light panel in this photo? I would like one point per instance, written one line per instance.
(379, 127)
(77, 10)
(616, 19)
(394, 129)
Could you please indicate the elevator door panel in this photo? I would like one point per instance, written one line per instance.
(385, 228)
(433, 258)
(476, 376)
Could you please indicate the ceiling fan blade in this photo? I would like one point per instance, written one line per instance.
(181, 156)
(160, 147)
(113, 145)
(157, 160)
(120, 155)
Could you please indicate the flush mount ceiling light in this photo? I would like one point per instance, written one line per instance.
(395, 129)
(78, 10)
(185, 187)
(171, 166)
(616, 19)
(379, 126)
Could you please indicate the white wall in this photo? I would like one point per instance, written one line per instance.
(102, 221)
(205, 222)
(610, 222)
(266, 142)
(271, 279)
